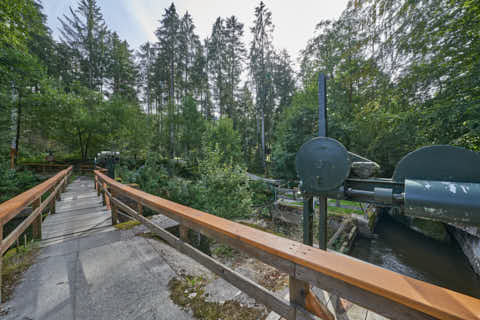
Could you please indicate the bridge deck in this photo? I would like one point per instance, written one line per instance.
(79, 212)
(87, 269)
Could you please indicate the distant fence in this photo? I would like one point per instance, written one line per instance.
(382, 291)
(46, 167)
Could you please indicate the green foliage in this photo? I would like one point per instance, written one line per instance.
(222, 138)
(298, 124)
(223, 188)
(13, 182)
(262, 193)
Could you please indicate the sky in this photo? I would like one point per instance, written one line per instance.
(136, 20)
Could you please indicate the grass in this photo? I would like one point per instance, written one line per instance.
(127, 225)
(224, 251)
(189, 293)
(15, 262)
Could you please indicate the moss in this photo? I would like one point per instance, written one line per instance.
(224, 251)
(344, 210)
(432, 229)
(15, 262)
(189, 293)
(127, 225)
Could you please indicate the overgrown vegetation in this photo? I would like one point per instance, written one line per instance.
(189, 293)
(15, 262)
(14, 182)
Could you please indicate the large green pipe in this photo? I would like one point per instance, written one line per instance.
(442, 200)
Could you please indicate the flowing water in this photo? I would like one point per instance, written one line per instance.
(407, 252)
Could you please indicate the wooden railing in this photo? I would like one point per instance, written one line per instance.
(11, 208)
(385, 292)
(44, 167)
(55, 167)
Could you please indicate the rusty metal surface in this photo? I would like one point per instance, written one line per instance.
(418, 295)
(14, 206)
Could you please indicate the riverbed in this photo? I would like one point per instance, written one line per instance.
(405, 251)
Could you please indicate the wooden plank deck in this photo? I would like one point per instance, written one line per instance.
(80, 211)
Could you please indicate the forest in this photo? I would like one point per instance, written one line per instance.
(190, 116)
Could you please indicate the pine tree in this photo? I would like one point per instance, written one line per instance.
(85, 35)
(121, 70)
(233, 64)
(216, 49)
(145, 66)
(261, 70)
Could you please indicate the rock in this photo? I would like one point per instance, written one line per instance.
(364, 169)
(470, 246)
(432, 229)
(192, 295)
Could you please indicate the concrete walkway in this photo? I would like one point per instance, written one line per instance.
(87, 269)
(79, 212)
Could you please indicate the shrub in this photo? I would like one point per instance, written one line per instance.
(14, 182)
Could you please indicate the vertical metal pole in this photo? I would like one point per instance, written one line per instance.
(322, 106)
(322, 132)
(308, 220)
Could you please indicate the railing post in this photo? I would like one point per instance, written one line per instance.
(1, 259)
(298, 292)
(114, 208)
(37, 223)
(183, 233)
(104, 196)
(140, 208)
(53, 201)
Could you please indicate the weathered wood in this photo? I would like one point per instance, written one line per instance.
(183, 233)
(1, 261)
(301, 295)
(107, 196)
(315, 306)
(9, 209)
(363, 298)
(388, 286)
(114, 209)
(37, 222)
(246, 285)
(35, 214)
(337, 233)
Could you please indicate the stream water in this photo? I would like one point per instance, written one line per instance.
(405, 251)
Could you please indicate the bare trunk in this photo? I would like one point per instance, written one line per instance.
(17, 135)
(172, 110)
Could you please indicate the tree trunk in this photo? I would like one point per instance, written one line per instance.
(263, 141)
(172, 110)
(17, 134)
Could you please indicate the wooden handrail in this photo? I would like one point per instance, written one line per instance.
(14, 206)
(383, 291)
(11, 208)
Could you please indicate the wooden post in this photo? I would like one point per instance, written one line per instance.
(53, 203)
(183, 233)
(301, 295)
(114, 209)
(104, 195)
(37, 223)
(140, 208)
(1, 259)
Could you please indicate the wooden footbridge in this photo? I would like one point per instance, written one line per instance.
(80, 216)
